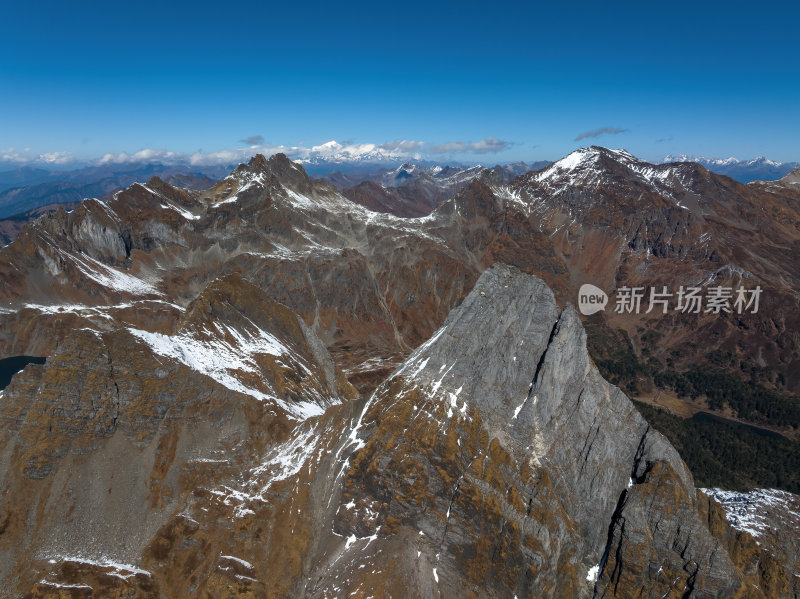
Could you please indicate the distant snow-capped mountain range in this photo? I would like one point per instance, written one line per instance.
(744, 171)
(23, 169)
(323, 157)
(391, 165)
(333, 156)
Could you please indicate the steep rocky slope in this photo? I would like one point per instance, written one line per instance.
(119, 429)
(499, 453)
(494, 462)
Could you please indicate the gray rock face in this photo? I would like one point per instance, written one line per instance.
(99, 233)
(499, 453)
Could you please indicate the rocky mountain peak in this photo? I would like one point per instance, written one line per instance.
(587, 164)
(277, 167)
(594, 172)
(259, 161)
(503, 396)
(406, 166)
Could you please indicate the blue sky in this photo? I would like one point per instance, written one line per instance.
(706, 78)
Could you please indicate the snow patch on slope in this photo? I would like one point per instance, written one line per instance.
(288, 458)
(112, 278)
(220, 360)
(750, 512)
(591, 575)
(123, 571)
(183, 212)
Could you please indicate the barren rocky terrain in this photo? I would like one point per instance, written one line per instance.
(265, 389)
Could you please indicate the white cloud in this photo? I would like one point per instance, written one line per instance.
(402, 145)
(11, 156)
(146, 155)
(26, 156)
(330, 151)
(485, 146)
(56, 157)
(199, 158)
(15, 156)
(224, 157)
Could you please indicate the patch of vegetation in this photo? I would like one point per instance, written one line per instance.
(613, 354)
(719, 452)
(748, 399)
(726, 454)
(725, 380)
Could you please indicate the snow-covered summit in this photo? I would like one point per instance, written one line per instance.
(581, 160)
(333, 152)
(597, 166)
